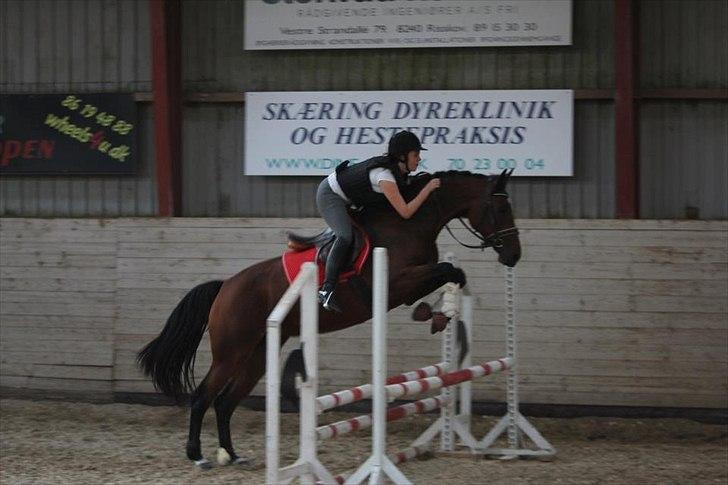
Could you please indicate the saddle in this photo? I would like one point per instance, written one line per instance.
(316, 248)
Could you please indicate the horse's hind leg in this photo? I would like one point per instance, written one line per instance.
(216, 378)
(227, 401)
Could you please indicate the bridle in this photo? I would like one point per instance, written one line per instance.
(493, 240)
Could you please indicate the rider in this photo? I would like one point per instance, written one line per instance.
(367, 183)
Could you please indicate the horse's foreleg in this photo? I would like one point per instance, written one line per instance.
(228, 400)
(416, 282)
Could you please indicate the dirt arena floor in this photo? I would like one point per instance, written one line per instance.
(51, 442)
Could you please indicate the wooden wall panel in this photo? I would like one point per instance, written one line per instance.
(631, 313)
(57, 305)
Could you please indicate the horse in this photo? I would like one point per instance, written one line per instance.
(235, 310)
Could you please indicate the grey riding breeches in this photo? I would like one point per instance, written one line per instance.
(334, 211)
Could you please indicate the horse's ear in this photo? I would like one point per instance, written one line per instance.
(500, 184)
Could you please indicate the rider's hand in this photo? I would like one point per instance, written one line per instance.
(432, 185)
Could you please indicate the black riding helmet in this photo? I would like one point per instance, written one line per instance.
(402, 143)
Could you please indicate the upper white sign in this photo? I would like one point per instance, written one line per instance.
(310, 133)
(366, 24)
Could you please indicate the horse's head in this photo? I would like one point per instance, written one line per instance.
(481, 199)
(491, 216)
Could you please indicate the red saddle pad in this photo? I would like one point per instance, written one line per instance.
(292, 261)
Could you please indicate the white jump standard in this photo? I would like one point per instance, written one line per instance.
(439, 376)
(307, 467)
(513, 422)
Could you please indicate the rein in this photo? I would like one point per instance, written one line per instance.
(494, 240)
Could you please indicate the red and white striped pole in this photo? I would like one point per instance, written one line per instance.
(347, 426)
(348, 396)
(419, 386)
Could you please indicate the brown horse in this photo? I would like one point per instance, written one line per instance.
(235, 310)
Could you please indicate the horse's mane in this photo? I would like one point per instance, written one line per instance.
(416, 182)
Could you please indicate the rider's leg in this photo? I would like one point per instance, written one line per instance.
(336, 259)
(334, 211)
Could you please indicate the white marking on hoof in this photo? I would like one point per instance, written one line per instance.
(242, 461)
(223, 457)
(203, 464)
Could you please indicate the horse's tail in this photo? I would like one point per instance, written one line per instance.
(169, 359)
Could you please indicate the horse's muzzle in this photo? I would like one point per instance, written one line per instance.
(509, 258)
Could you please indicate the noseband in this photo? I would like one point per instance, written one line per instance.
(493, 240)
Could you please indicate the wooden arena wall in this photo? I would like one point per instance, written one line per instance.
(630, 313)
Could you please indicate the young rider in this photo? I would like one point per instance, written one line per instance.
(367, 183)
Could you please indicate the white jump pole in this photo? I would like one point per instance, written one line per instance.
(512, 378)
(272, 401)
(466, 387)
(273, 371)
(442, 375)
(514, 423)
(379, 463)
(455, 418)
(307, 467)
(447, 413)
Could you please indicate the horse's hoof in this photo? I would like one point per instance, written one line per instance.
(223, 457)
(203, 464)
(247, 463)
(422, 312)
(439, 322)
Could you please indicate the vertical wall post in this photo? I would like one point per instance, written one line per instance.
(166, 26)
(625, 110)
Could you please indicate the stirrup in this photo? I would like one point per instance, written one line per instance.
(328, 301)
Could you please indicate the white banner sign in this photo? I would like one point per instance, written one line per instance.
(309, 133)
(365, 24)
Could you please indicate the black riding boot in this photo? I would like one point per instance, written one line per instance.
(334, 263)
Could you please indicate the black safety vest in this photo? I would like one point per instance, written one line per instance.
(354, 180)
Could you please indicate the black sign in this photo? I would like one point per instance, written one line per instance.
(67, 134)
